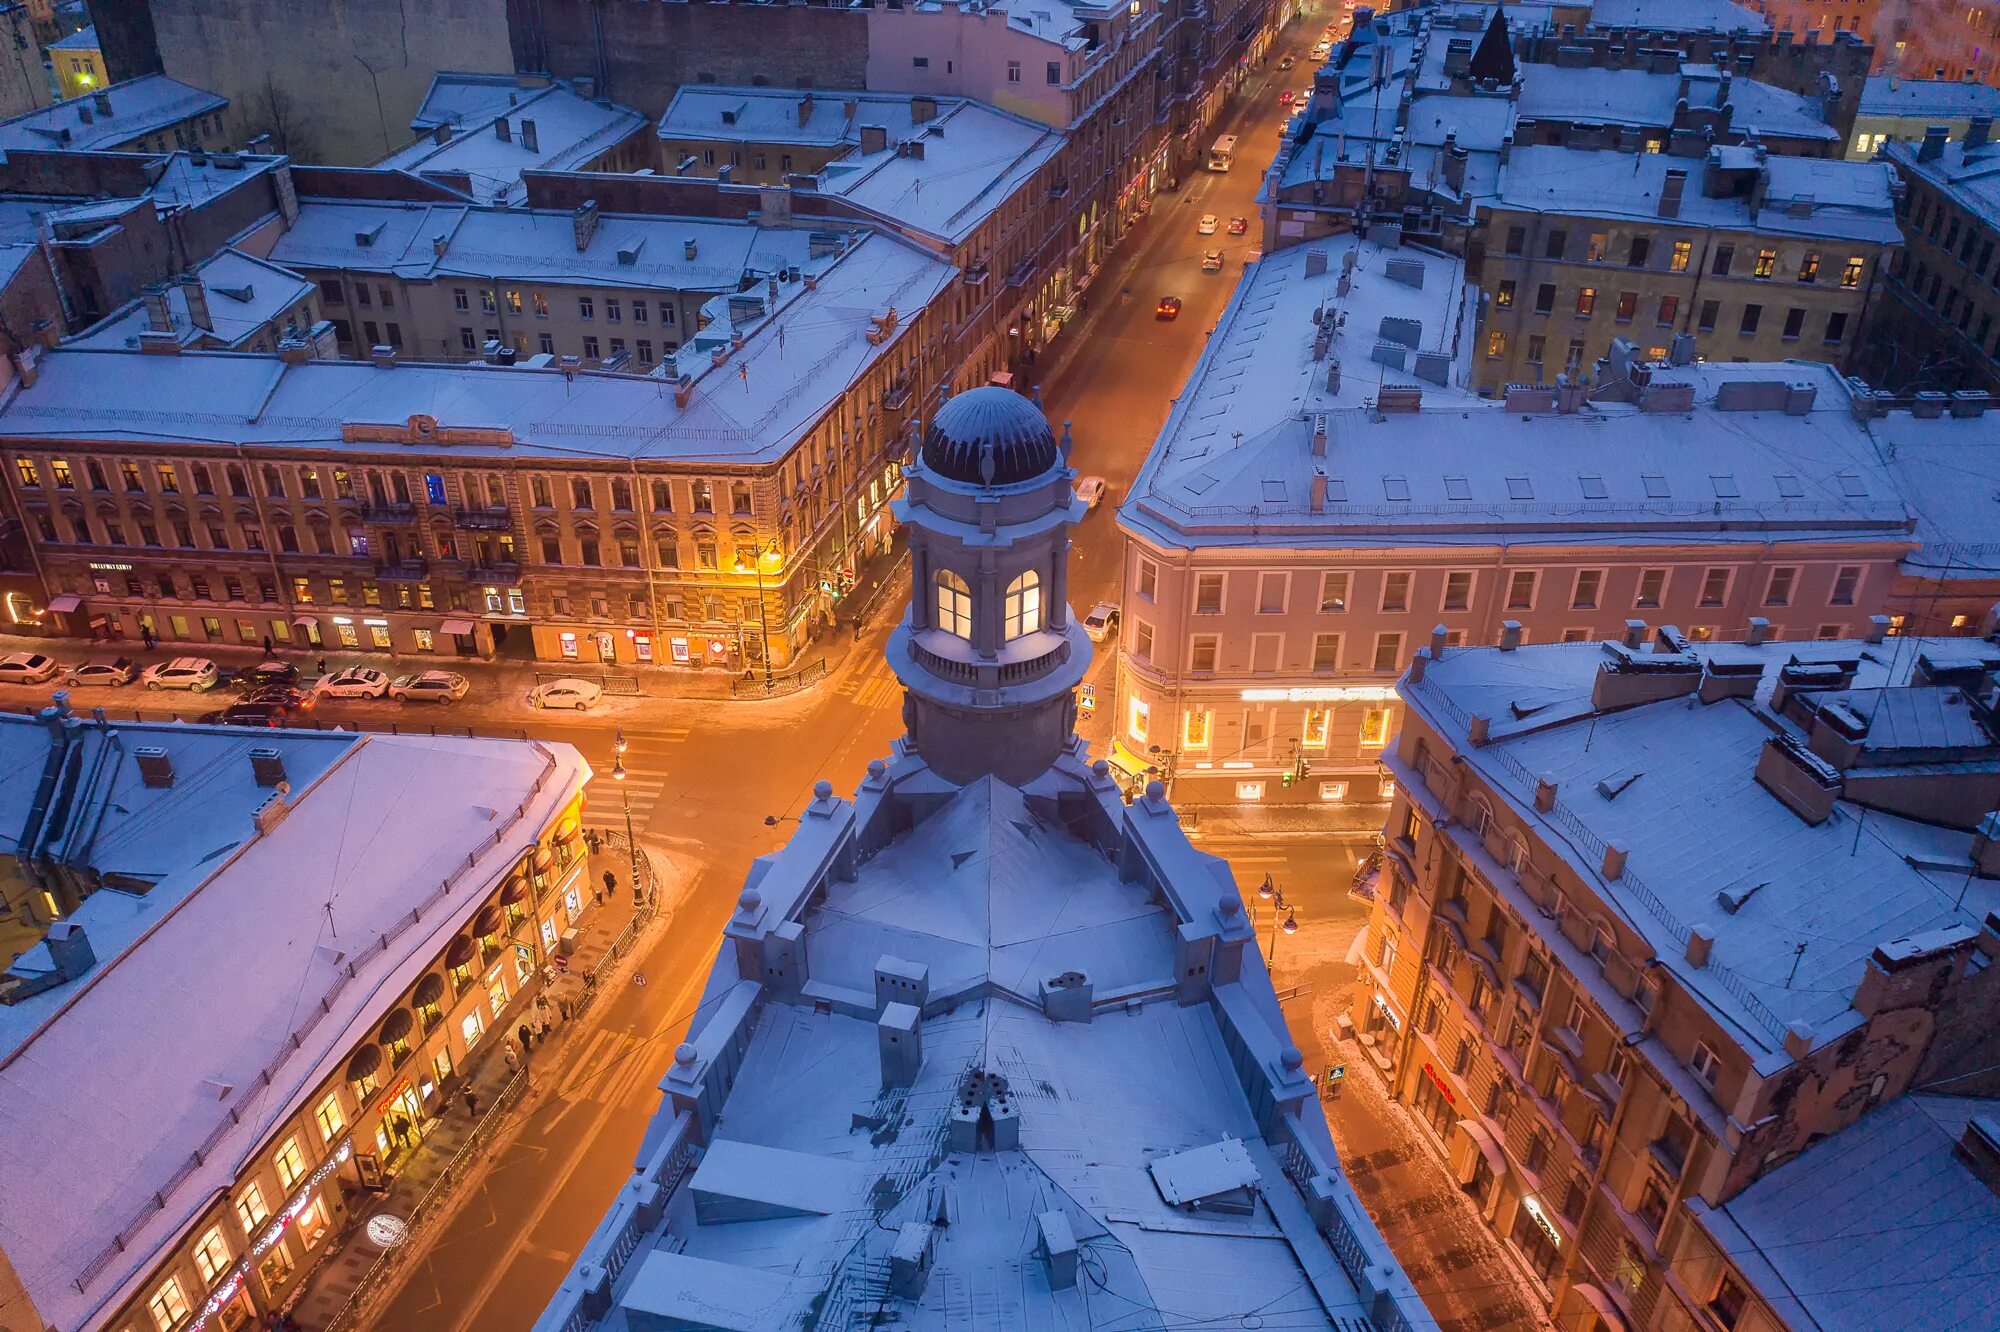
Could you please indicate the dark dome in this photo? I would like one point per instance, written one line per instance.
(990, 436)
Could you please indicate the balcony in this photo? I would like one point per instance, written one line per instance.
(505, 572)
(389, 513)
(491, 519)
(412, 570)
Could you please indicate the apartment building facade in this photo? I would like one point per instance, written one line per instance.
(470, 528)
(1604, 1050)
(1751, 257)
(1940, 312)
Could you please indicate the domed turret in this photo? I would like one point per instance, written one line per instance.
(990, 436)
(988, 652)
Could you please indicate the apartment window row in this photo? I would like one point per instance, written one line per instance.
(515, 301)
(1676, 255)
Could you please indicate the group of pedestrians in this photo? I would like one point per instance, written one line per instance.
(534, 1030)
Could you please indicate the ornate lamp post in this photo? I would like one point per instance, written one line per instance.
(631, 843)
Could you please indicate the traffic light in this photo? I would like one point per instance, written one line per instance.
(1289, 777)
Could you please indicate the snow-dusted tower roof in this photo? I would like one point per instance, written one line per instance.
(988, 652)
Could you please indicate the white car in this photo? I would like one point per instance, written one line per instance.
(1090, 490)
(429, 687)
(1102, 622)
(354, 682)
(1322, 50)
(103, 671)
(565, 693)
(198, 674)
(1207, 225)
(28, 668)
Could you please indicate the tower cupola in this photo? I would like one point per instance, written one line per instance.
(988, 652)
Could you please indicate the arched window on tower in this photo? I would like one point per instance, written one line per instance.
(1024, 604)
(954, 605)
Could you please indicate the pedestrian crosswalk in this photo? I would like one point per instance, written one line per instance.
(871, 684)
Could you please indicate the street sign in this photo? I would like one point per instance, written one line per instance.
(525, 953)
(1087, 699)
(1337, 1073)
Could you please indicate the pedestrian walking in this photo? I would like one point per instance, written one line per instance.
(402, 1124)
(527, 1035)
(269, 647)
(512, 1057)
(562, 1007)
(471, 1099)
(542, 1003)
(146, 636)
(610, 883)
(322, 665)
(541, 1029)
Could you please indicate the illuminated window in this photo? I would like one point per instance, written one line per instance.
(169, 1305)
(26, 467)
(1024, 604)
(1496, 343)
(1767, 262)
(1139, 719)
(1682, 251)
(954, 605)
(1375, 727)
(211, 1255)
(250, 1208)
(290, 1162)
(330, 1118)
(1850, 275)
(1809, 267)
(1194, 728)
(1314, 734)
(313, 1223)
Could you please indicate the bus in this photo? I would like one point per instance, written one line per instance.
(1221, 152)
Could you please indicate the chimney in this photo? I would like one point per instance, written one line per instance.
(529, 139)
(689, 249)
(805, 109)
(874, 139)
(1760, 630)
(1701, 941)
(899, 1038)
(1614, 860)
(294, 351)
(1510, 635)
(1440, 638)
(1670, 192)
(1318, 503)
(583, 222)
(196, 296)
(159, 314)
(1932, 147)
(69, 948)
(101, 99)
(1635, 634)
(922, 109)
(1480, 730)
(439, 244)
(1979, 1149)
(1878, 628)
(267, 765)
(1977, 132)
(1319, 435)
(1545, 793)
(156, 767)
(442, 134)
(500, 130)
(383, 355)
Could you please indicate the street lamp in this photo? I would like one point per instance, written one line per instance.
(1271, 893)
(764, 612)
(618, 746)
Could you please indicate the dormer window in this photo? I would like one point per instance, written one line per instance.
(954, 605)
(1024, 604)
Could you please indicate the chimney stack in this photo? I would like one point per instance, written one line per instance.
(583, 222)
(1977, 132)
(101, 99)
(1670, 192)
(529, 139)
(501, 130)
(1932, 147)
(689, 249)
(69, 948)
(159, 314)
(196, 296)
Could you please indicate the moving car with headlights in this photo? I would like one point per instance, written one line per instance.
(1102, 622)
(1168, 308)
(429, 687)
(355, 682)
(196, 674)
(111, 671)
(565, 693)
(1207, 225)
(1211, 261)
(1239, 226)
(28, 668)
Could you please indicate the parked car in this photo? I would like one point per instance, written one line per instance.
(279, 695)
(1168, 308)
(198, 674)
(1287, 62)
(267, 672)
(28, 668)
(565, 693)
(1211, 261)
(1102, 622)
(429, 687)
(1207, 225)
(1239, 226)
(1091, 491)
(103, 671)
(1322, 50)
(354, 682)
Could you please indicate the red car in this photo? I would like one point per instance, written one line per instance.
(1168, 308)
(1238, 225)
(1285, 97)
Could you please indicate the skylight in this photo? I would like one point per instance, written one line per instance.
(1724, 484)
(1458, 488)
(1396, 487)
(1593, 487)
(1520, 488)
(1656, 487)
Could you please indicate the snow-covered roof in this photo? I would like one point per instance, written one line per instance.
(138, 107)
(1843, 200)
(810, 117)
(1971, 178)
(994, 890)
(1677, 16)
(1597, 95)
(84, 39)
(793, 367)
(569, 131)
(1882, 1225)
(1949, 99)
(169, 1062)
(1948, 472)
(1683, 792)
(245, 294)
(960, 166)
(461, 99)
(519, 245)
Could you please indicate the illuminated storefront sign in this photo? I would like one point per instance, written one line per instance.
(1439, 1083)
(1534, 1209)
(1323, 694)
(1388, 1013)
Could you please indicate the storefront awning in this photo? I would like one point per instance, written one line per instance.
(488, 921)
(397, 1025)
(1488, 1144)
(568, 833)
(429, 990)
(65, 603)
(515, 890)
(459, 953)
(456, 628)
(364, 1062)
(1607, 1308)
(303, 622)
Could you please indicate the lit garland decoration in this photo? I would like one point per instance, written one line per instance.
(293, 1209)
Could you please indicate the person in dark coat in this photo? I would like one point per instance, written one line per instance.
(527, 1035)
